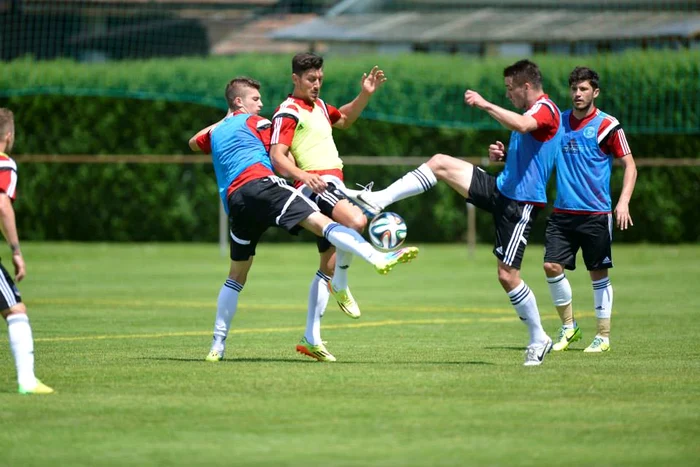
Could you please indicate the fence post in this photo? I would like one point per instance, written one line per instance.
(471, 230)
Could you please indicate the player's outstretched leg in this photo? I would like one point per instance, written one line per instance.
(414, 183)
(348, 240)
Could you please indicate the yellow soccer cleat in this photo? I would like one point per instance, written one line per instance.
(318, 352)
(40, 388)
(566, 337)
(598, 345)
(392, 258)
(214, 356)
(346, 301)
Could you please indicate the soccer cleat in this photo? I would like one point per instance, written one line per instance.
(215, 356)
(362, 199)
(597, 346)
(40, 388)
(318, 352)
(566, 337)
(345, 300)
(535, 353)
(392, 258)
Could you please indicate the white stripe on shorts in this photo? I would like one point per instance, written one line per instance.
(295, 193)
(517, 236)
(7, 292)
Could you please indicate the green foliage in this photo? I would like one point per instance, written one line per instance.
(653, 91)
(146, 202)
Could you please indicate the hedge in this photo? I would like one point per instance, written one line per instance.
(655, 91)
(178, 203)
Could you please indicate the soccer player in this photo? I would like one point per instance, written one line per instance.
(514, 197)
(256, 199)
(582, 209)
(303, 148)
(13, 310)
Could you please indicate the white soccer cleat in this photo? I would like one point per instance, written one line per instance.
(535, 353)
(363, 200)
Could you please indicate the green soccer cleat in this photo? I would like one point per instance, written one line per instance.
(215, 356)
(346, 301)
(566, 336)
(40, 388)
(597, 346)
(318, 352)
(392, 258)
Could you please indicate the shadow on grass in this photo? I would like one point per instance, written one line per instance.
(504, 347)
(308, 361)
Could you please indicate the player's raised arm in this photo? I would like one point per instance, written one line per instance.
(351, 111)
(509, 119)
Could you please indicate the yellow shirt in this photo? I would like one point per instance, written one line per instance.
(307, 130)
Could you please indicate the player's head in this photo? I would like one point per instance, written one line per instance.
(7, 130)
(307, 74)
(583, 87)
(523, 82)
(243, 93)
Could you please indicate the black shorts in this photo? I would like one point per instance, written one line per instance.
(513, 219)
(9, 294)
(326, 202)
(263, 203)
(566, 233)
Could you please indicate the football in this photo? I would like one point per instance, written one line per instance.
(387, 231)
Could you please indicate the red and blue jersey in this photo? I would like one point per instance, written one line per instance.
(8, 176)
(239, 153)
(531, 155)
(585, 163)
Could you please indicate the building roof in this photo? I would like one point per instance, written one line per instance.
(495, 25)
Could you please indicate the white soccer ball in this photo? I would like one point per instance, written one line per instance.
(387, 231)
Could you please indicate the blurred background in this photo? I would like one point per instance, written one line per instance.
(107, 93)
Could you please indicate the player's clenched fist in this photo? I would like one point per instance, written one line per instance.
(497, 151)
(474, 99)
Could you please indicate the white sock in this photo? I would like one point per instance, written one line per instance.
(340, 274)
(22, 345)
(318, 299)
(226, 306)
(415, 182)
(603, 298)
(560, 289)
(348, 240)
(525, 305)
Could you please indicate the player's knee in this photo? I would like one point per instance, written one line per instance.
(509, 279)
(357, 222)
(438, 162)
(552, 269)
(16, 309)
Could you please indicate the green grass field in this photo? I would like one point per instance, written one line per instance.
(430, 375)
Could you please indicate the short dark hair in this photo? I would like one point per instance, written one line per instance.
(524, 71)
(7, 121)
(582, 73)
(306, 61)
(236, 86)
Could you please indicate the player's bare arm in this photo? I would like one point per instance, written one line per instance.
(285, 166)
(509, 119)
(9, 231)
(369, 84)
(623, 219)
